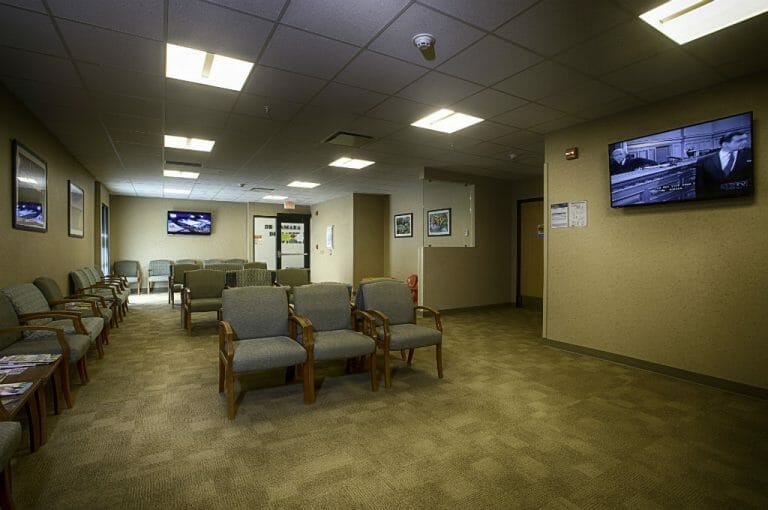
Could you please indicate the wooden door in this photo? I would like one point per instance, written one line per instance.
(530, 253)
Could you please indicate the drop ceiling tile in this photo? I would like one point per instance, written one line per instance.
(214, 29)
(487, 130)
(488, 103)
(119, 81)
(679, 85)
(733, 44)
(232, 153)
(581, 98)
(671, 65)
(362, 19)
(552, 26)
(253, 124)
(400, 110)
(26, 30)
(611, 107)
(346, 98)
(151, 108)
(266, 107)
(377, 72)
(33, 66)
(269, 9)
(529, 115)
(32, 5)
(186, 120)
(136, 137)
(438, 89)
(131, 123)
(487, 14)
(267, 81)
(36, 92)
(489, 60)
(138, 17)
(541, 80)
(618, 47)
(368, 126)
(556, 124)
(108, 48)
(520, 138)
(213, 98)
(294, 50)
(452, 36)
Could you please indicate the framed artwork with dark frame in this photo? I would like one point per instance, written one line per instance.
(30, 190)
(439, 222)
(76, 210)
(404, 225)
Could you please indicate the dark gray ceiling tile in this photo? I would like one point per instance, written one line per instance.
(26, 30)
(37, 67)
(487, 14)
(138, 17)
(541, 80)
(529, 115)
(379, 72)
(269, 9)
(294, 50)
(213, 98)
(489, 60)
(348, 99)
(266, 81)
(438, 89)
(655, 71)
(120, 81)
(400, 110)
(266, 107)
(488, 103)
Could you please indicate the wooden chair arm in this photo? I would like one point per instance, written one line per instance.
(226, 341)
(56, 331)
(101, 300)
(369, 323)
(306, 332)
(104, 286)
(91, 304)
(73, 316)
(380, 316)
(435, 314)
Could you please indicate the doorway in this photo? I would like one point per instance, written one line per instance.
(293, 235)
(530, 254)
(265, 240)
(105, 238)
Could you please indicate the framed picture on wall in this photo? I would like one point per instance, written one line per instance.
(404, 225)
(76, 203)
(30, 190)
(439, 222)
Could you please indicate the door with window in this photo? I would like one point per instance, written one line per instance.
(265, 240)
(293, 238)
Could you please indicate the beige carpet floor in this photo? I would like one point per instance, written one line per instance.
(514, 424)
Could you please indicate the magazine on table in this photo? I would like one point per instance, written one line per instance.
(29, 359)
(14, 389)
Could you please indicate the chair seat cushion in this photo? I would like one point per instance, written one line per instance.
(342, 343)
(410, 336)
(10, 437)
(205, 304)
(266, 353)
(93, 325)
(78, 346)
(159, 278)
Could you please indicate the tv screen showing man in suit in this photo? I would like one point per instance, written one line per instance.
(727, 171)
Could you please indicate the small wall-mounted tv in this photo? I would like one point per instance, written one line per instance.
(712, 159)
(189, 223)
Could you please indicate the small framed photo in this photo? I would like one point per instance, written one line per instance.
(404, 225)
(439, 222)
(76, 202)
(30, 190)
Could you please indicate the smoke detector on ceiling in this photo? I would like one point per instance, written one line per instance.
(423, 41)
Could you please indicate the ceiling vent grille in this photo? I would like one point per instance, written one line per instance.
(184, 163)
(348, 139)
(262, 189)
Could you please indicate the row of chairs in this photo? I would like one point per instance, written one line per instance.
(258, 330)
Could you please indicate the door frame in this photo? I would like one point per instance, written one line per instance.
(292, 218)
(518, 271)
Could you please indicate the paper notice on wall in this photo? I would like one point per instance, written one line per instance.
(558, 216)
(577, 214)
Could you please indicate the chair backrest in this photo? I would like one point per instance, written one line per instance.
(127, 267)
(359, 302)
(255, 265)
(160, 267)
(8, 319)
(188, 261)
(205, 283)
(251, 277)
(391, 297)
(92, 274)
(178, 271)
(208, 262)
(326, 305)
(256, 312)
(79, 280)
(292, 276)
(49, 288)
(26, 298)
(235, 261)
(224, 266)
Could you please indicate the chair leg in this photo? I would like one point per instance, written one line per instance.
(82, 369)
(230, 394)
(188, 318)
(374, 375)
(100, 345)
(439, 357)
(6, 494)
(410, 355)
(387, 375)
(309, 382)
(105, 333)
(64, 378)
(402, 354)
(222, 370)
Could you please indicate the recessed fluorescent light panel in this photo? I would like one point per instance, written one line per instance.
(686, 20)
(190, 144)
(181, 175)
(274, 197)
(175, 191)
(302, 184)
(206, 68)
(357, 164)
(447, 121)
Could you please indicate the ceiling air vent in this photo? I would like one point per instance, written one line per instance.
(184, 163)
(262, 189)
(348, 139)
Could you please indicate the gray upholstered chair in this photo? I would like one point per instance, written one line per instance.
(225, 266)
(389, 302)
(158, 271)
(30, 305)
(131, 271)
(16, 338)
(255, 265)
(202, 293)
(189, 261)
(176, 280)
(252, 277)
(291, 278)
(10, 438)
(256, 333)
(84, 304)
(208, 262)
(87, 281)
(235, 261)
(332, 334)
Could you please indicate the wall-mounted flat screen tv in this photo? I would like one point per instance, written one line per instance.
(189, 223)
(712, 159)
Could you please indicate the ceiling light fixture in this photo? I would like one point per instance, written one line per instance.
(190, 144)
(274, 197)
(181, 175)
(357, 164)
(686, 20)
(206, 68)
(303, 184)
(447, 121)
(176, 191)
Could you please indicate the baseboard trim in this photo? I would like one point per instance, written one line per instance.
(707, 380)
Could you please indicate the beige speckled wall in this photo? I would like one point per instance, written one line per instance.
(26, 255)
(679, 285)
(334, 265)
(371, 236)
(404, 251)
